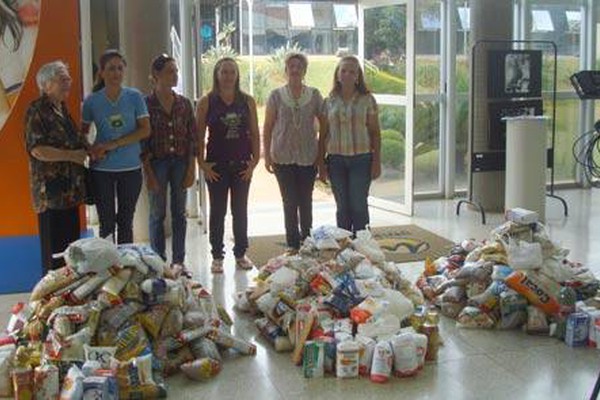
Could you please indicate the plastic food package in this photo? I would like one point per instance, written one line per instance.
(524, 255)
(501, 272)
(406, 359)
(327, 236)
(90, 368)
(116, 283)
(226, 340)
(72, 388)
(473, 317)
(152, 320)
(313, 359)
(383, 327)
(205, 348)
(537, 323)
(398, 305)
(102, 355)
(173, 323)
(513, 310)
(7, 353)
(202, 369)
(488, 300)
(283, 278)
(369, 307)
(348, 355)
(540, 291)
(142, 257)
(46, 382)
(383, 359)
(73, 349)
(88, 287)
(100, 387)
(143, 392)
(53, 281)
(137, 371)
(131, 341)
(23, 384)
(174, 360)
(116, 316)
(367, 347)
(451, 310)
(92, 255)
(367, 245)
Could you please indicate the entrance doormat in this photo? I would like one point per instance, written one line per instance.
(400, 243)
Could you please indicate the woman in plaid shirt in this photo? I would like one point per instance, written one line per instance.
(168, 159)
(352, 144)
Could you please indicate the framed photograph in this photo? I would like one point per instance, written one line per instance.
(514, 73)
(502, 109)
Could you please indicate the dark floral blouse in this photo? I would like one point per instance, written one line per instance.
(54, 185)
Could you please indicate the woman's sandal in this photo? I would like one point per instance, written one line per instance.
(217, 266)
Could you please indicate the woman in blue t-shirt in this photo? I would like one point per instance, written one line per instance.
(232, 152)
(121, 119)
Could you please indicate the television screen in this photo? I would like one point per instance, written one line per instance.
(502, 109)
(515, 74)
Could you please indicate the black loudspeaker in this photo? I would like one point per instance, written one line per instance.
(586, 84)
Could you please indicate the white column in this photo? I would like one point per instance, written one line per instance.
(526, 164)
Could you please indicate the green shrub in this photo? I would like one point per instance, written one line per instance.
(383, 82)
(392, 148)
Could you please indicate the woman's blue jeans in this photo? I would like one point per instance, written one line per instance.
(350, 178)
(170, 173)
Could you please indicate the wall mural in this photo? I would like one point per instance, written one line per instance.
(18, 33)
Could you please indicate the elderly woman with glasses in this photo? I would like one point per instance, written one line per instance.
(169, 159)
(57, 153)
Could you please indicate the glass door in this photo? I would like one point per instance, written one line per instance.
(386, 47)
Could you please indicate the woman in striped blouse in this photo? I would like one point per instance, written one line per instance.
(350, 148)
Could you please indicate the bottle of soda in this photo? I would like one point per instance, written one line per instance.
(431, 330)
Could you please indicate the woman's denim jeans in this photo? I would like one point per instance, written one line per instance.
(350, 178)
(170, 173)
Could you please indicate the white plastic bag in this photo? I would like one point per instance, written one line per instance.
(367, 245)
(92, 255)
(524, 255)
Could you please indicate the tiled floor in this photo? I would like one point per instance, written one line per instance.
(473, 364)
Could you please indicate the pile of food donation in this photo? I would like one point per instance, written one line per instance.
(342, 310)
(112, 324)
(518, 278)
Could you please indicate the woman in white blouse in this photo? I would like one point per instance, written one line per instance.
(290, 141)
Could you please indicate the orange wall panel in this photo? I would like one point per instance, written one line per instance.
(58, 38)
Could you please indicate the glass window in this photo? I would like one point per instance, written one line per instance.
(559, 21)
(345, 16)
(301, 15)
(573, 20)
(541, 21)
(464, 13)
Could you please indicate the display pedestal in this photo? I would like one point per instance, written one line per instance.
(526, 164)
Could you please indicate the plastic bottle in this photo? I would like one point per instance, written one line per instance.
(383, 358)
(431, 330)
(567, 299)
